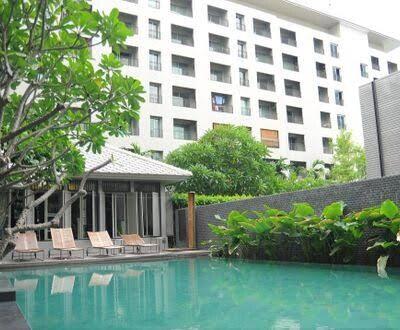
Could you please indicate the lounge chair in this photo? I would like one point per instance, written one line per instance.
(101, 240)
(134, 240)
(63, 241)
(27, 244)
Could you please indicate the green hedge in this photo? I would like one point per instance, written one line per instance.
(180, 200)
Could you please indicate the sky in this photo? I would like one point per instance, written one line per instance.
(380, 15)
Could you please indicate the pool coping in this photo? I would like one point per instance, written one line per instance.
(126, 258)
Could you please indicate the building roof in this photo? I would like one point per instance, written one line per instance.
(127, 165)
(319, 19)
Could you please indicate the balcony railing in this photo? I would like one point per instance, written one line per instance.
(290, 66)
(321, 73)
(129, 61)
(293, 92)
(182, 71)
(155, 99)
(182, 10)
(242, 53)
(328, 150)
(246, 111)
(132, 1)
(262, 32)
(265, 58)
(156, 132)
(183, 102)
(266, 85)
(155, 66)
(244, 82)
(222, 108)
(218, 20)
(240, 26)
(297, 146)
(289, 41)
(182, 39)
(154, 34)
(154, 4)
(272, 143)
(221, 78)
(215, 47)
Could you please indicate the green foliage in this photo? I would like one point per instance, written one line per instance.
(332, 236)
(349, 162)
(54, 99)
(180, 200)
(225, 161)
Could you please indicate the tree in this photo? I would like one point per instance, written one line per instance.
(50, 91)
(349, 162)
(225, 161)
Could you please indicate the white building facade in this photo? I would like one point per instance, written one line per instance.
(288, 73)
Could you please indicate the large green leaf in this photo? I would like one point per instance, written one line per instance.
(334, 211)
(389, 209)
(303, 210)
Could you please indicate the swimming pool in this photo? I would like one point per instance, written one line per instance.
(205, 293)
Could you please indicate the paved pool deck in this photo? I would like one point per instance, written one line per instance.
(9, 265)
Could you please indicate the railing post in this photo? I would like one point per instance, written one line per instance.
(191, 227)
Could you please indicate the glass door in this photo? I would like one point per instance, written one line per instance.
(120, 223)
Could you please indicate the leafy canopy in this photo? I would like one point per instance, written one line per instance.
(225, 161)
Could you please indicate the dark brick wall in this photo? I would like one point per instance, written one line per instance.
(356, 195)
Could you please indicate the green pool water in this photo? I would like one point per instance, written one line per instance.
(204, 293)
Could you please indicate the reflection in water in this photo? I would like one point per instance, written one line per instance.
(26, 285)
(62, 284)
(204, 293)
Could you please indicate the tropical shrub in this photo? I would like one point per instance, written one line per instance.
(332, 235)
(180, 200)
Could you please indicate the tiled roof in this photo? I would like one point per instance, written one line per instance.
(126, 164)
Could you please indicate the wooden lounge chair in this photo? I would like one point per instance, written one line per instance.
(63, 241)
(27, 244)
(134, 240)
(101, 240)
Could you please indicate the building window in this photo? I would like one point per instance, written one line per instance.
(218, 44)
(321, 69)
(270, 138)
(337, 73)
(183, 97)
(341, 121)
(267, 110)
(294, 115)
(154, 4)
(290, 62)
(134, 127)
(318, 46)
(292, 88)
(364, 70)
(185, 130)
(326, 120)
(262, 28)
(157, 155)
(130, 22)
(129, 56)
(392, 67)
(242, 49)
(218, 16)
(183, 66)
(154, 60)
(245, 106)
(244, 77)
(240, 24)
(156, 129)
(264, 55)
(327, 145)
(221, 103)
(323, 94)
(182, 35)
(266, 81)
(296, 142)
(375, 63)
(334, 50)
(288, 37)
(339, 97)
(154, 29)
(220, 73)
(182, 7)
(155, 95)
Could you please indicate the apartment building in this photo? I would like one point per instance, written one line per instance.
(288, 73)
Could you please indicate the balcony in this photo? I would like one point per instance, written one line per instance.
(339, 98)
(321, 69)
(218, 16)
(327, 145)
(296, 142)
(270, 138)
(220, 73)
(181, 35)
(185, 130)
(267, 110)
(154, 4)
(242, 49)
(240, 25)
(264, 55)
(155, 65)
(182, 7)
(129, 56)
(262, 28)
(294, 115)
(292, 88)
(337, 74)
(183, 66)
(266, 81)
(288, 37)
(319, 46)
(323, 94)
(219, 44)
(183, 97)
(392, 67)
(131, 22)
(326, 120)
(245, 106)
(290, 62)
(221, 103)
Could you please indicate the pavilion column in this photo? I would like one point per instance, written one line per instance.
(102, 209)
(191, 223)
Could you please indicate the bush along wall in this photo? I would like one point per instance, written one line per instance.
(180, 200)
(302, 235)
